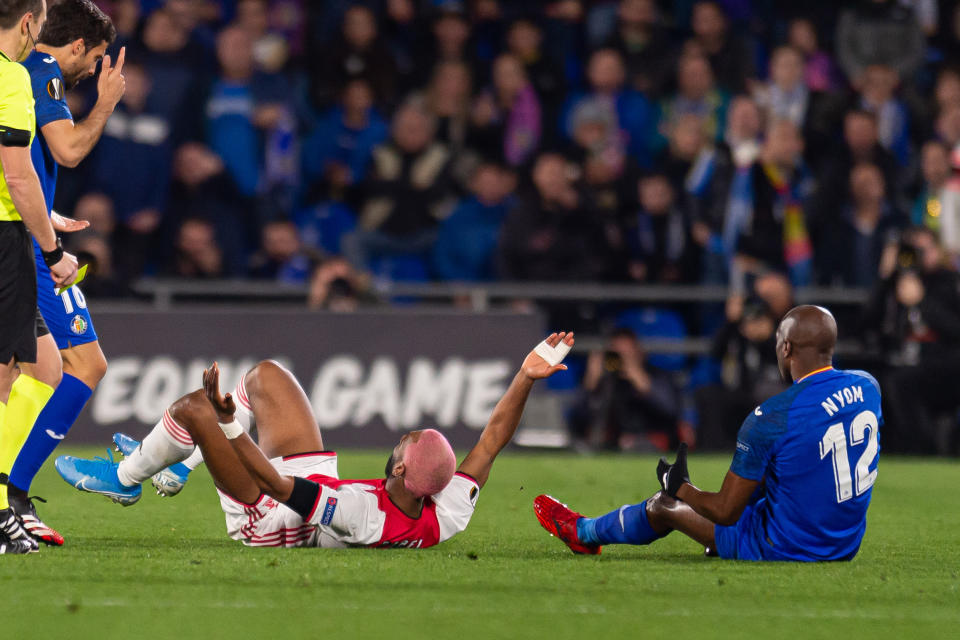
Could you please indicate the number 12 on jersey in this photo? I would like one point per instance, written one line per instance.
(835, 441)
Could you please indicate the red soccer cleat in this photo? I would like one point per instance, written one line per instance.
(39, 531)
(561, 521)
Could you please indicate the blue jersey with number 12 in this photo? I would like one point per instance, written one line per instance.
(817, 446)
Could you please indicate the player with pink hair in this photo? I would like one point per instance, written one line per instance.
(285, 489)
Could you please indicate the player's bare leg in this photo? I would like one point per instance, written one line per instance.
(85, 362)
(284, 417)
(665, 514)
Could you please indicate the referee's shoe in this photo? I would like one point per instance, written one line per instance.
(13, 537)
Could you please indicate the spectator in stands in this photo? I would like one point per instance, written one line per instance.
(913, 318)
(644, 45)
(243, 107)
(660, 247)
(776, 235)
(879, 32)
(282, 256)
(867, 226)
(336, 156)
(177, 66)
(861, 143)
(745, 351)
(946, 91)
(552, 233)
(277, 31)
(136, 145)
(877, 94)
(950, 209)
(507, 116)
(935, 170)
(787, 97)
(622, 396)
(467, 241)
(819, 71)
(448, 40)
(358, 52)
(197, 253)
(525, 41)
(407, 192)
(97, 209)
(729, 57)
(93, 250)
(698, 96)
(634, 114)
(447, 97)
(336, 286)
(204, 189)
(775, 290)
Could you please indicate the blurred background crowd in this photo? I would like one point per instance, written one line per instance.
(757, 145)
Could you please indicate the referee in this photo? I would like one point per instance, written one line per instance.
(23, 211)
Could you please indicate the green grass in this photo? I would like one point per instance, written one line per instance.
(165, 569)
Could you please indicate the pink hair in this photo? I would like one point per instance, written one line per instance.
(430, 463)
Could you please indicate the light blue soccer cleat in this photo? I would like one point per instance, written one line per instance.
(168, 482)
(97, 476)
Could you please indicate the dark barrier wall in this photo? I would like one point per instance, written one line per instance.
(369, 376)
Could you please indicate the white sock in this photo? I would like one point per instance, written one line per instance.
(168, 443)
(244, 416)
(194, 460)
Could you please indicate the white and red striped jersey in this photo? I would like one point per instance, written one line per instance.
(361, 513)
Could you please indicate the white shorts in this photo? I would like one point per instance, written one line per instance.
(268, 523)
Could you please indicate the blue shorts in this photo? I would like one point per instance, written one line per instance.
(66, 315)
(744, 540)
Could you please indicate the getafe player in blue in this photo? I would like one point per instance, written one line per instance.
(801, 478)
(71, 44)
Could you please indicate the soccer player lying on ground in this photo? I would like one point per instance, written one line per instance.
(286, 492)
(800, 482)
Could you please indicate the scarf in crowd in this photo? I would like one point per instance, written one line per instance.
(797, 248)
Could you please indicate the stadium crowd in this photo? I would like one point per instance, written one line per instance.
(754, 144)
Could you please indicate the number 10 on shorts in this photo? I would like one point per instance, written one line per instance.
(81, 302)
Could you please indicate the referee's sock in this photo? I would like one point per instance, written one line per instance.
(51, 427)
(626, 525)
(27, 397)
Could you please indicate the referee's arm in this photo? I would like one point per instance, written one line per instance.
(26, 193)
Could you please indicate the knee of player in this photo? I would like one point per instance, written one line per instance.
(261, 372)
(188, 410)
(659, 508)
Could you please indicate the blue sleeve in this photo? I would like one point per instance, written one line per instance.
(756, 442)
(49, 98)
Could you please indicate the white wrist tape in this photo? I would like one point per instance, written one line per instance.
(231, 429)
(553, 355)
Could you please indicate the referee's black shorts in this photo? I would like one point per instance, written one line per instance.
(20, 321)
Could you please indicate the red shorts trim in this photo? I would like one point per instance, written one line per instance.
(308, 454)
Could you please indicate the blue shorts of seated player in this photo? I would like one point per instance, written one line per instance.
(66, 314)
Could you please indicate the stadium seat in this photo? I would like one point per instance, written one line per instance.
(662, 324)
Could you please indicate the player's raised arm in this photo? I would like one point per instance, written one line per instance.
(542, 362)
(71, 142)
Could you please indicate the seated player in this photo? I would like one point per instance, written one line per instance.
(800, 482)
(285, 491)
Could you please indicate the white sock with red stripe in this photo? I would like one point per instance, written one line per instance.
(243, 415)
(168, 443)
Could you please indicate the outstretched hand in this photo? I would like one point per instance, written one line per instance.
(223, 405)
(673, 476)
(67, 225)
(536, 367)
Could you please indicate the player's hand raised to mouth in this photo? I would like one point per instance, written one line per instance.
(223, 405)
(535, 367)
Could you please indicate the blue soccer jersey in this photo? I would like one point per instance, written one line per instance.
(816, 446)
(66, 315)
(50, 104)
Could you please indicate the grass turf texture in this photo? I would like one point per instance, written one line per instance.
(165, 569)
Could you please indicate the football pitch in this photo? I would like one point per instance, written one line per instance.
(164, 568)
